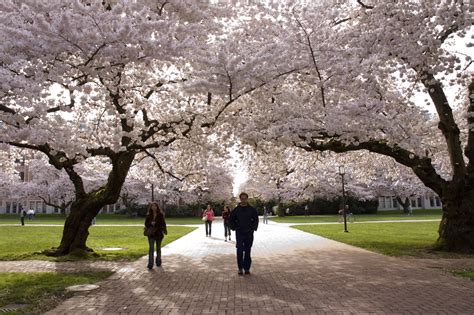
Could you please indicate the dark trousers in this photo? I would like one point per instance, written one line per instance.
(151, 241)
(208, 227)
(22, 219)
(226, 230)
(244, 245)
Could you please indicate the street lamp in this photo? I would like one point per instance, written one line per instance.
(342, 172)
(152, 192)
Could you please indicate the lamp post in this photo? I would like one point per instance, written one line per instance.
(152, 192)
(342, 172)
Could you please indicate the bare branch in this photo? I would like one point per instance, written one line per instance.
(165, 171)
(365, 6)
(422, 166)
(313, 57)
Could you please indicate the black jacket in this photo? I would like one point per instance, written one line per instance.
(159, 226)
(244, 219)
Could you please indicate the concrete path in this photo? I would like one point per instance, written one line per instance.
(293, 272)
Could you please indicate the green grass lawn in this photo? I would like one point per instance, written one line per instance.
(101, 219)
(466, 274)
(394, 239)
(41, 291)
(381, 216)
(25, 242)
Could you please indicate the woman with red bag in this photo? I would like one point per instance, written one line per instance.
(208, 216)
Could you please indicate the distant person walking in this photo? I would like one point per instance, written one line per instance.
(265, 215)
(244, 220)
(22, 217)
(155, 230)
(208, 215)
(225, 218)
(30, 214)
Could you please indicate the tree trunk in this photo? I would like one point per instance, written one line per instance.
(76, 227)
(405, 205)
(456, 230)
(87, 206)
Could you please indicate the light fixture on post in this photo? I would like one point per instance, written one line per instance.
(342, 172)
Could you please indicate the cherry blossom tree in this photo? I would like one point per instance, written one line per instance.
(117, 80)
(84, 79)
(363, 68)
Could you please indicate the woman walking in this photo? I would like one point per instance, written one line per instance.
(225, 218)
(208, 214)
(155, 229)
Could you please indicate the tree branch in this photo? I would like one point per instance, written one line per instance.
(313, 58)
(365, 6)
(160, 167)
(422, 167)
(248, 91)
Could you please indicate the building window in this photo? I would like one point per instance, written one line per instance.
(395, 202)
(8, 206)
(14, 207)
(437, 201)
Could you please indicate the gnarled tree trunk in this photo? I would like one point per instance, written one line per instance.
(87, 206)
(405, 204)
(456, 229)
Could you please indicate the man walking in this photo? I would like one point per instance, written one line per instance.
(265, 215)
(244, 221)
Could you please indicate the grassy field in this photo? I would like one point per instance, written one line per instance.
(466, 274)
(381, 216)
(394, 239)
(25, 242)
(41, 291)
(101, 219)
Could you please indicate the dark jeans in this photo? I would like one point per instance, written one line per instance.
(244, 245)
(208, 227)
(226, 229)
(151, 241)
(22, 219)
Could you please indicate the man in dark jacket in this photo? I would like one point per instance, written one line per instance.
(244, 221)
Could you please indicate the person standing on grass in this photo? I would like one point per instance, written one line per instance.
(22, 216)
(244, 221)
(225, 218)
(208, 213)
(155, 221)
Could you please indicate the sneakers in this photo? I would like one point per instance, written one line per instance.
(149, 267)
(158, 263)
(241, 273)
(247, 272)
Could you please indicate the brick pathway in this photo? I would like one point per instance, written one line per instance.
(293, 272)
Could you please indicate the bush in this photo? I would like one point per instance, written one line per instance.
(330, 206)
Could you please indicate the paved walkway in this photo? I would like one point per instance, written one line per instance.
(293, 272)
